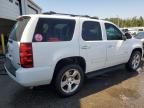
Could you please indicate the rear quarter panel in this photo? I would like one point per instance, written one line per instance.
(49, 53)
(135, 43)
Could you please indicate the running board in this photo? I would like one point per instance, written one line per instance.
(106, 70)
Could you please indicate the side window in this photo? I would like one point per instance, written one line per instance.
(113, 33)
(54, 30)
(91, 31)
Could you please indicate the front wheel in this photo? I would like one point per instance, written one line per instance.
(69, 80)
(134, 61)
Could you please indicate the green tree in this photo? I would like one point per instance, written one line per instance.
(129, 22)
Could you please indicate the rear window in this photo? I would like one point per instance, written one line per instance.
(18, 28)
(52, 30)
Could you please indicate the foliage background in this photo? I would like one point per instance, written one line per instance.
(129, 22)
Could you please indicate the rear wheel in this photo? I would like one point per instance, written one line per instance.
(134, 61)
(69, 80)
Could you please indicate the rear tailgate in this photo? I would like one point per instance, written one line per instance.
(14, 40)
(13, 53)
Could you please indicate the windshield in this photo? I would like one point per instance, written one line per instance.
(17, 30)
(140, 35)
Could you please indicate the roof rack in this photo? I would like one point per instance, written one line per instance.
(54, 13)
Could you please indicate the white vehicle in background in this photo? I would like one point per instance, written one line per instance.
(124, 30)
(132, 30)
(64, 49)
(140, 36)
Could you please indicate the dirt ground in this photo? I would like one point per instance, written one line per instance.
(117, 89)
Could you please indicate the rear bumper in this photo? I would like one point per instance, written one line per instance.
(10, 67)
(29, 76)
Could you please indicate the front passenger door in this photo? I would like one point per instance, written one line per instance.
(117, 48)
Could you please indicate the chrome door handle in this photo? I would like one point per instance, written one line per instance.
(85, 47)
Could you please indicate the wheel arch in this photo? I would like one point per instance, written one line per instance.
(129, 63)
(137, 49)
(69, 60)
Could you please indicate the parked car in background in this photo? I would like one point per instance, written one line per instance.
(124, 30)
(140, 36)
(133, 30)
(63, 50)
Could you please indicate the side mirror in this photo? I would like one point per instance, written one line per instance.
(128, 35)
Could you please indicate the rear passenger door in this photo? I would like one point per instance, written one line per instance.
(92, 46)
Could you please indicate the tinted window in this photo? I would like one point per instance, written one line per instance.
(112, 32)
(18, 28)
(51, 30)
(140, 30)
(91, 31)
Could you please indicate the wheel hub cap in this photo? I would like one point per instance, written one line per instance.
(136, 61)
(70, 80)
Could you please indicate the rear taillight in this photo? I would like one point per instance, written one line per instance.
(26, 55)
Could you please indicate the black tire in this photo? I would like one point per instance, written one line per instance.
(60, 76)
(130, 62)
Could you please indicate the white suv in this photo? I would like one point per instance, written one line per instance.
(65, 49)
